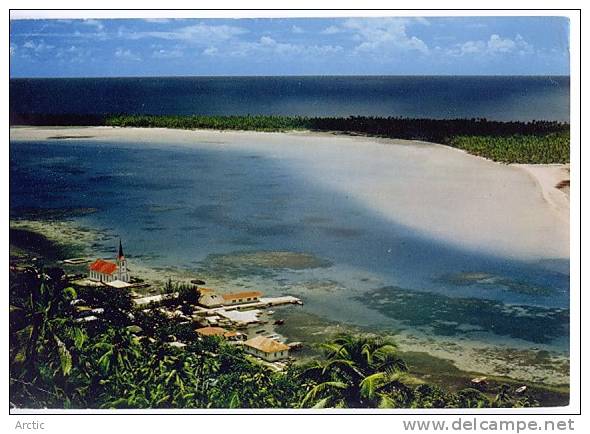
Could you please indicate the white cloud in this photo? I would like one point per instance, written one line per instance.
(72, 54)
(495, 45)
(500, 45)
(126, 54)
(267, 40)
(297, 29)
(523, 46)
(210, 51)
(167, 54)
(473, 47)
(331, 30)
(197, 33)
(62, 52)
(37, 47)
(383, 35)
(266, 45)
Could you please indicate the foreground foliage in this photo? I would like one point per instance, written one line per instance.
(124, 360)
(358, 372)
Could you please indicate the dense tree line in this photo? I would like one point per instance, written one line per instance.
(124, 360)
(510, 142)
(526, 149)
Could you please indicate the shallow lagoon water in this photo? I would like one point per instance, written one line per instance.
(219, 212)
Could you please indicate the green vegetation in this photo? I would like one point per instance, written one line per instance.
(509, 142)
(542, 149)
(248, 123)
(124, 359)
(358, 372)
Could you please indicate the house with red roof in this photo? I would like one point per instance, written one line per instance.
(107, 271)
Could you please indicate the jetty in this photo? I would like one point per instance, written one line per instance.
(245, 313)
(262, 302)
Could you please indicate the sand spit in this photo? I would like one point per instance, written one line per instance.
(554, 181)
(510, 210)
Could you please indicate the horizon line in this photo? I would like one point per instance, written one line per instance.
(286, 75)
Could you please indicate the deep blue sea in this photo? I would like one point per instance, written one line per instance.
(498, 98)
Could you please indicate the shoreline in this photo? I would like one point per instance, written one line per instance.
(429, 364)
(440, 191)
(468, 358)
(549, 177)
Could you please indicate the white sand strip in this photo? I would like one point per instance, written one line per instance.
(435, 190)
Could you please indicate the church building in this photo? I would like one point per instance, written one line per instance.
(106, 271)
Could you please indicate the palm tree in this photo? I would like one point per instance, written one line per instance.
(44, 314)
(117, 350)
(42, 341)
(357, 372)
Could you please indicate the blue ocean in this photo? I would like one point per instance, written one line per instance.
(504, 98)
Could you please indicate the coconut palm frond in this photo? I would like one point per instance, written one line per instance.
(322, 403)
(65, 357)
(347, 367)
(319, 389)
(332, 349)
(370, 385)
(386, 401)
(391, 362)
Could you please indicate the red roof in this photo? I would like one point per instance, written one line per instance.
(102, 266)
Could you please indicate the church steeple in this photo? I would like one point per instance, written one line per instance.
(122, 271)
(120, 255)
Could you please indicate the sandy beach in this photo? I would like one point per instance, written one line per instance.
(509, 210)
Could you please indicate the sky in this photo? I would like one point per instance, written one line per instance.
(290, 46)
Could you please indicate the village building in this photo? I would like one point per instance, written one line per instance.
(211, 331)
(110, 272)
(234, 336)
(266, 348)
(219, 331)
(211, 299)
